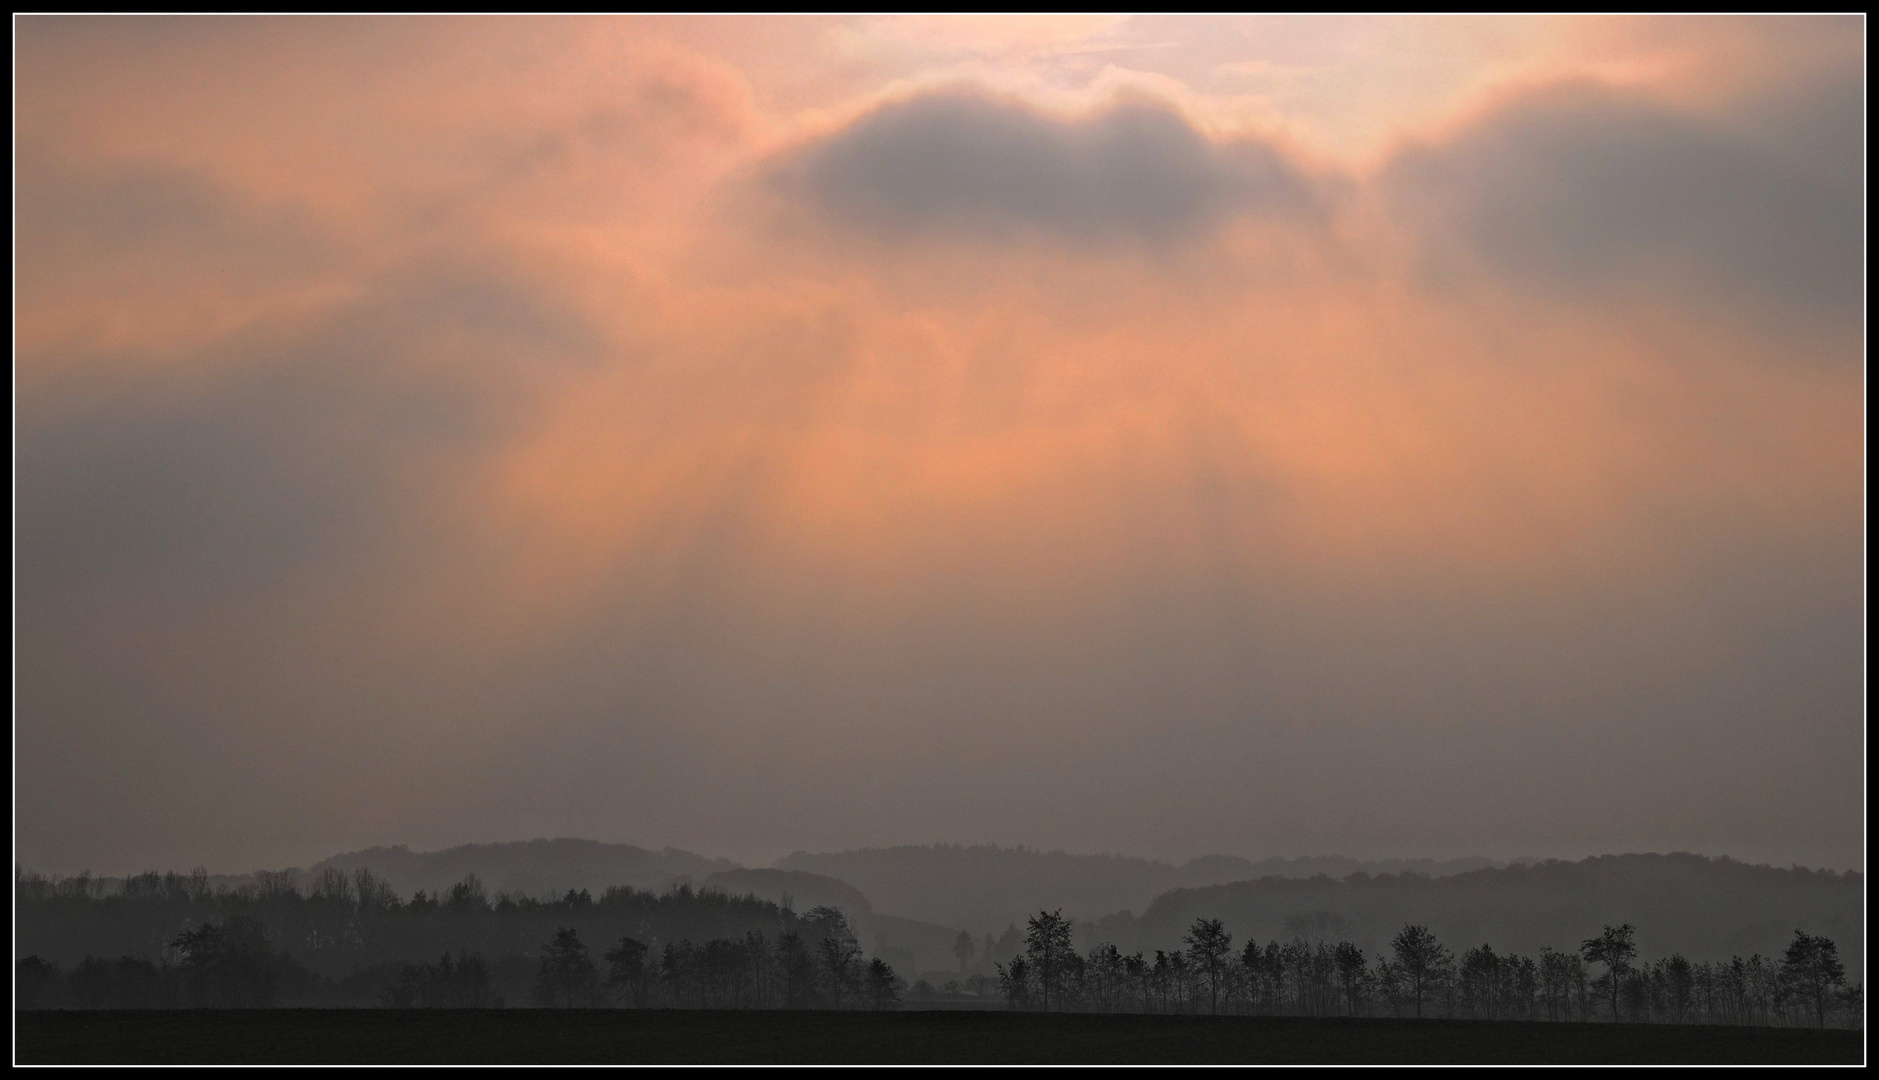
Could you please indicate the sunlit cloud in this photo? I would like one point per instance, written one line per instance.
(441, 430)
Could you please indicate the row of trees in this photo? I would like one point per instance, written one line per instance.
(351, 940)
(342, 925)
(1419, 976)
(820, 970)
(331, 898)
(233, 965)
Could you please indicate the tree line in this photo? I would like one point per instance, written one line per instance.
(823, 969)
(235, 966)
(1419, 976)
(350, 940)
(227, 966)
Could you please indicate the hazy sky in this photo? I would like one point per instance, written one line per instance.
(1418, 436)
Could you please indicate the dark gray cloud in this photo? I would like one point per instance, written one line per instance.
(129, 204)
(1583, 188)
(179, 534)
(188, 488)
(292, 448)
(151, 230)
(960, 162)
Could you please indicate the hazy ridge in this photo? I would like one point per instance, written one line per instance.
(530, 867)
(985, 887)
(1701, 907)
(910, 902)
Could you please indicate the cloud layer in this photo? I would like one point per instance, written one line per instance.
(1580, 187)
(660, 431)
(956, 162)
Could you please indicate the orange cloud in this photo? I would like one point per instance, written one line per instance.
(397, 385)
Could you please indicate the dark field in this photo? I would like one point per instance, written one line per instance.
(527, 1037)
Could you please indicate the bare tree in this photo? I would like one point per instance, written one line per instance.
(1047, 945)
(1480, 982)
(1422, 962)
(1208, 945)
(1680, 982)
(1390, 984)
(1812, 969)
(1350, 974)
(1615, 949)
(797, 969)
(840, 953)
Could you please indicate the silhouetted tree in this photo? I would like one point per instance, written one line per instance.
(797, 969)
(884, 986)
(467, 895)
(1391, 985)
(1350, 974)
(1812, 968)
(840, 953)
(564, 977)
(90, 983)
(33, 982)
(1047, 946)
(1525, 978)
(1208, 945)
(679, 974)
(1422, 961)
(371, 894)
(1680, 983)
(1014, 981)
(1106, 978)
(963, 948)
(626, 971)
(1637, 994)
(454, 982)
(1314, 976)
(229, 966)
(1480, 977)
(1615, 949)
(1254, 970)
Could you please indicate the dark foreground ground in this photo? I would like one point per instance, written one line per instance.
(527, 1037)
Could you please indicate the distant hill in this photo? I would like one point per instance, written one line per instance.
(1217, 869)
(985, 888)
(795, 889)
(911, 945)
(529, 867)
(1704, 908)
(908, 904)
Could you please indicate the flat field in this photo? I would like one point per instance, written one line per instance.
(523, 1036)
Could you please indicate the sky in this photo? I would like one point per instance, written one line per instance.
(1267, 436)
